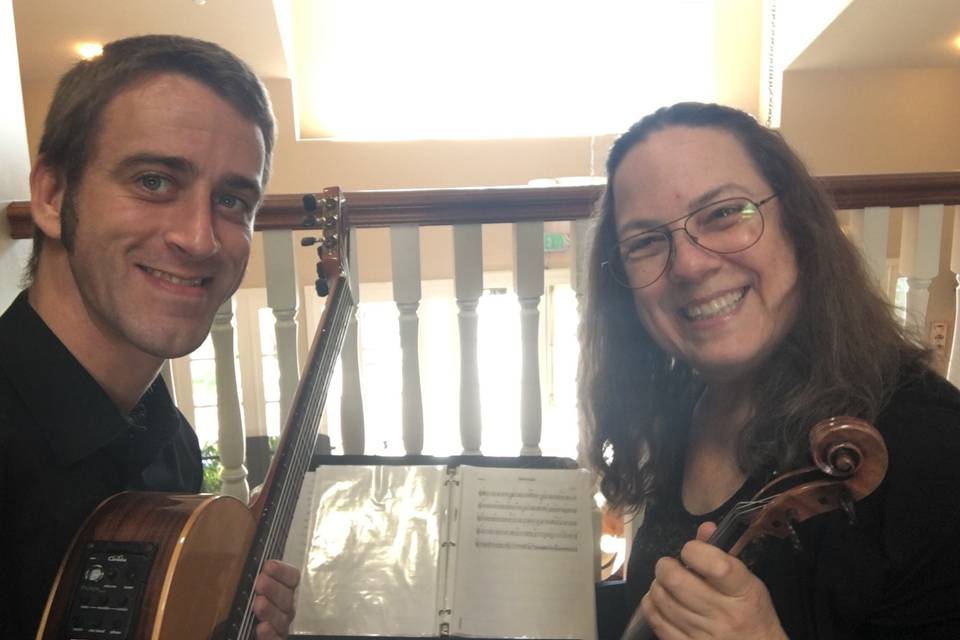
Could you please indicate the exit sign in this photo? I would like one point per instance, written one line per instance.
(555, 242)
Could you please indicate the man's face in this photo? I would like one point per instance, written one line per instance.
(164, 214)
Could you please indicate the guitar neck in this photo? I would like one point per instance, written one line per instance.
(274, 508)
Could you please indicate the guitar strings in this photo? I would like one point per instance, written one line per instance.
(296, 463)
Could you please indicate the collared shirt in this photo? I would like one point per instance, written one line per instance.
(64, 448)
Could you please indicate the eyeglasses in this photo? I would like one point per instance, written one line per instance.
(726, 226)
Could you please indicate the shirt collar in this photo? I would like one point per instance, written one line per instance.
(75, 414)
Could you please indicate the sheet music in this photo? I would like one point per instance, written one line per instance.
(528, 519)
(525, 563)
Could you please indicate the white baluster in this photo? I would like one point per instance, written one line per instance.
(580, 237)
(953, 370)
(869, 229)
(528, 266)
(351, 404)
(468, 286)
(405, 260)
(281, 277)
(580, 245)
(232, 441)
(920, 259)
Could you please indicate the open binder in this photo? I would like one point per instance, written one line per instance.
(430, 550)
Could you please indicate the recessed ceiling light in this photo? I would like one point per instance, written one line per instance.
(88, 50)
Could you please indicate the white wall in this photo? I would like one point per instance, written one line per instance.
(14, 156)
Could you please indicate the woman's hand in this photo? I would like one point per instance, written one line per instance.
(711, 594)
(275, 600)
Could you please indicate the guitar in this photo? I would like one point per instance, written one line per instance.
(164, 566)
(849, 462)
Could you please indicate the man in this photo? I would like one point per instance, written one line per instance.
(151, 167)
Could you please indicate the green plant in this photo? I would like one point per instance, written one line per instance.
(210, 457)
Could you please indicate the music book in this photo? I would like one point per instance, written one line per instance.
(436, 550)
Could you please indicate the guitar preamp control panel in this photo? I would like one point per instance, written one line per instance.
(110, 588)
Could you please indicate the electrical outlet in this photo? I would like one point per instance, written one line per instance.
(938, 336)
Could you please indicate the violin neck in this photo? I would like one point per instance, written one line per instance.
(730, 529)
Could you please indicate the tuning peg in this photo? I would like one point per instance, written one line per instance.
(310, 206)
(794, 537)
(322, 287)
(846, 503)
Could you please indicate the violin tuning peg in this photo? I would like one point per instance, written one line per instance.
(794, 537)
(846, 503)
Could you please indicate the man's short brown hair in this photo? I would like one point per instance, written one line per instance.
(74, 119)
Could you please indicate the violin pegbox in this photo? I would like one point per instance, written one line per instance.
(850, 460)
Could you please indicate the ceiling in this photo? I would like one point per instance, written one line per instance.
(47, 30)
(874, 34)
(269, 33)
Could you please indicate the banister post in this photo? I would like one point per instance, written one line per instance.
(528, 266)
(468, 286)
(405, 260)
(231, 438)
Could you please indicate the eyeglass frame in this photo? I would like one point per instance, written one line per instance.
(611, 264)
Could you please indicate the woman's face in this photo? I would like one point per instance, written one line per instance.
(721, 314)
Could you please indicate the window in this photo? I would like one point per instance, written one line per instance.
(270, 369)
(203, 374)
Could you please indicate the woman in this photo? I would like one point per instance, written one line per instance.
(726, 315)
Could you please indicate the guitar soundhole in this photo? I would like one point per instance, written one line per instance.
(107, 597)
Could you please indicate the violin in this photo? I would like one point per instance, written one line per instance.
(849, 462)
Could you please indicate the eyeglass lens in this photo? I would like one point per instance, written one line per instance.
(727, 226)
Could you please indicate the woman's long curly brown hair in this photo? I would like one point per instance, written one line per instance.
(843, 356)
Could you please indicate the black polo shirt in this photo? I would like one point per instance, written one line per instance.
(64, 448)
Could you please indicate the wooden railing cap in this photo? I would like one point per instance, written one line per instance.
(518, 204)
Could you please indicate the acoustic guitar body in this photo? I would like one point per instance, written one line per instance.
(150, 566)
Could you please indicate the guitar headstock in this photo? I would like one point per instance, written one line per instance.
(327, 212)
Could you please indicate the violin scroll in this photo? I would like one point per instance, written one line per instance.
(850, 449)
(850, 461)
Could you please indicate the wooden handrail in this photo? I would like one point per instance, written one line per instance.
(893, 189)
(443, 206)
(518, 204)
(18, 215)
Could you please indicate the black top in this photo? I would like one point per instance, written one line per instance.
(64, 448)
(894, 574)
